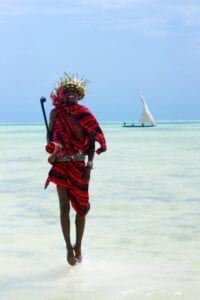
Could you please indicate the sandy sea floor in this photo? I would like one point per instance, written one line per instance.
(142, 233)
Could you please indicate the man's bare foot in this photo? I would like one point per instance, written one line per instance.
(70, 257)
(78, 255)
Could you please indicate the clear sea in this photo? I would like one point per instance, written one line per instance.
(142, 233)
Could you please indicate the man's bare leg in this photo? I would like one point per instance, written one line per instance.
(80, 225)
(65, 222)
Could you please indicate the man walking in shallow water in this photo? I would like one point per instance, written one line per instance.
(73, 131)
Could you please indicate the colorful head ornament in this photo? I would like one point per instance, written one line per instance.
(69, 81)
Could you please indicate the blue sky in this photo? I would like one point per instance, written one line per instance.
(120, 46)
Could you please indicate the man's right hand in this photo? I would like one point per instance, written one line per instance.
(52, 159)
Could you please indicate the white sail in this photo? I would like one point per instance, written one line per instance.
(146, 116)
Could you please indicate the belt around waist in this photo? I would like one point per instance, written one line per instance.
(74, 157)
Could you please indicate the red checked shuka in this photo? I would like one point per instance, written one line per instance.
(74, 128)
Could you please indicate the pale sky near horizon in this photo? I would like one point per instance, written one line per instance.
(152, 46)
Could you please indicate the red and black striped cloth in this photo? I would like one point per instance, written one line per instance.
(70, 174)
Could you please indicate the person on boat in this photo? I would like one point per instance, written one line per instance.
(73, 131)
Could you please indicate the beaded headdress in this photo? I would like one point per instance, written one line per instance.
(68, 81)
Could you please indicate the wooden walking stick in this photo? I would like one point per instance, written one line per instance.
(42, 100)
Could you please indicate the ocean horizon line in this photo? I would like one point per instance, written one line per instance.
(39, 123)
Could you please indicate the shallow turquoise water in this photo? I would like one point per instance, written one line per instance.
(142, 233)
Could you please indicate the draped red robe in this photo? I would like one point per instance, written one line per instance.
(70, 174)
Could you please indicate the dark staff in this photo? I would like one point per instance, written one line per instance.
(42, 100)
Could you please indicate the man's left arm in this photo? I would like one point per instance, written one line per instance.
(89, 165)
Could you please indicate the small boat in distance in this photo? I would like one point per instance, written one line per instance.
(146, 119)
